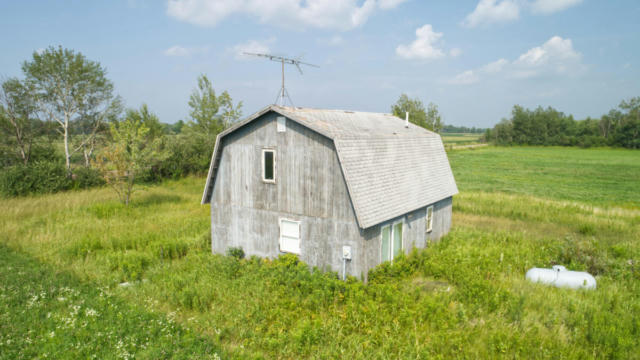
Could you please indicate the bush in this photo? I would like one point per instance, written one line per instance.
(235, 252)
(38, 178)
(84, 178)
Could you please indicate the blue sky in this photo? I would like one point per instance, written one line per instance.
(474, 59)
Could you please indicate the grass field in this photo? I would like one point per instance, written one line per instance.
(464, 297)
(460, 138)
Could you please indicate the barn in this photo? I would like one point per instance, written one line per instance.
(344, 190)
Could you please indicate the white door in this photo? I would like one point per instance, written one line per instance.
(290, 236)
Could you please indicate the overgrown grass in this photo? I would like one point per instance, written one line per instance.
(464, 297)
(46, 313)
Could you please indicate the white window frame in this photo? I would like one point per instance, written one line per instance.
(273, 151)
(428, 220)
(391, 239)
(281, 124)
(282, 239)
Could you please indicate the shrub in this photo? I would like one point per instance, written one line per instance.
(84, 178)
(38, 178)
(236, 252)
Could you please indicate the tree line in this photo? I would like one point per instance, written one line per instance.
(62, 127)
(620, 127)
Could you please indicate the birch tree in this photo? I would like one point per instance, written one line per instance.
(68, 86)
(18, 116)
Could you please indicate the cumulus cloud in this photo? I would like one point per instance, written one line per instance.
(552, 6)
(495, 67)
(425, 46)
(556, 56)
(492, 11)
(497, 11)
(252, 46)
(325, 14)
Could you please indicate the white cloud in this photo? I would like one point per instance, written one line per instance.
(555, 57)
(252, 46)
(492, 11)
(390, 4)
(326, 14)
(552, 6)
(177, 50)
(495, 67)
(496, 11)
(455, 52)
(465, 78)
(424, 46)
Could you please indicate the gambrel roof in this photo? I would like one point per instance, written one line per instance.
(389, 169)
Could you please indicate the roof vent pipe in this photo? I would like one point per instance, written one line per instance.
(406, 121)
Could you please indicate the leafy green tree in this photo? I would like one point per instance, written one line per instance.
(434, 119)
(18, 117)
(415, 107)
(148, 119)
(67, 87)
(628, 131)
(130, 152)
(209, 113)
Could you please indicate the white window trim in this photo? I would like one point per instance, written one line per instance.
(429, 221)
(297, 251)
(270, 181)
(391, 239)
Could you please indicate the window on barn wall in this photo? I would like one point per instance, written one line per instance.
(428, 224)
(269, 165)
(391, 241)
(290, 236)
(281, 124)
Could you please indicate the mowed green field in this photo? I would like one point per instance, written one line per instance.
(83, 276)
(460, 138)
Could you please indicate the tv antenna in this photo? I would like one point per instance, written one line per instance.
(283, 93)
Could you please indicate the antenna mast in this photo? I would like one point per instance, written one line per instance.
(282, 94)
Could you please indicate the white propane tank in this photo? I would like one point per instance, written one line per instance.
(559, 276)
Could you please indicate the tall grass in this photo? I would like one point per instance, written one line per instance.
(463, 297)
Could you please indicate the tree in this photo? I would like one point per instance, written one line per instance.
(433, 119)
(415, 107)
(18, 116)
(211, 114)
(68, 88)
(130, 152)
(148, 119)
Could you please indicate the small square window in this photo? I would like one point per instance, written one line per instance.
(281, 124)
(268, 165)
(429, 219)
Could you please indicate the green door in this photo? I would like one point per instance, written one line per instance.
(397, 239)
(386, 240)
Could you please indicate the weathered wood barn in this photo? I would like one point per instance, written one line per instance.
(328, 184)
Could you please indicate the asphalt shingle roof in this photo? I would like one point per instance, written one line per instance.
(389, 169)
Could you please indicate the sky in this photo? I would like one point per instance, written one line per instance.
(474, 59)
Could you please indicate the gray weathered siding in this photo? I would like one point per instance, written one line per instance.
(413, 231)
(309, 188)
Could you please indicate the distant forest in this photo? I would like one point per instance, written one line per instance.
(620, 127)
(462, 129)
